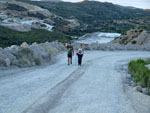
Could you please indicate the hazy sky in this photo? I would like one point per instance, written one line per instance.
(136, 3)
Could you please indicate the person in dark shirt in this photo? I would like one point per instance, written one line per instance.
(70, 52)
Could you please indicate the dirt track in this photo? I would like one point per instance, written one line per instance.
(95, 87)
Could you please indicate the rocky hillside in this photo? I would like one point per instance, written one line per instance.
(96, 16)
(40, 21)
(22, 16)
(74, 18)
(22, 22)
(48, 0)
(136, 37)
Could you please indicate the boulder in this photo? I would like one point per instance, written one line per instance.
(24, 45)
(139, 88)
(145, 90)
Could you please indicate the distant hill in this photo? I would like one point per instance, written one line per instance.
(22, 22)
(88, 11)
(68, 19)
(41, 0)
(47, 0)
(147, 9)
(96, 16)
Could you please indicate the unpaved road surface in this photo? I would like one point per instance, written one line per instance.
(95, 87)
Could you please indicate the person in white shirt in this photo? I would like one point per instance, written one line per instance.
(80, 53)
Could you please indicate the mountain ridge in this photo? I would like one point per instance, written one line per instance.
(48, 0)
(68, 19)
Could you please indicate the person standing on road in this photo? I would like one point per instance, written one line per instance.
(80, 53)
(70, 52)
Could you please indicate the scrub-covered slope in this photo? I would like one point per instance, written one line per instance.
(22, 22)
(96, 16)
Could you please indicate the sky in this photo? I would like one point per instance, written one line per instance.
(145, 4)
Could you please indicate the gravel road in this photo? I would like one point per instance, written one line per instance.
(95, 87)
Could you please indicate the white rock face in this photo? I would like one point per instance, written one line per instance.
(25, 24)
(142, 40)
(112, 35)
(29, 55)
(98, 37)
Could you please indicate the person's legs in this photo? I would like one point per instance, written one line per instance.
(69, 59)
(79, 59)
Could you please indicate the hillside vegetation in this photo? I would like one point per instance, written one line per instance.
(88, 11)
(89, 16)
(95, 16)
(10, 37)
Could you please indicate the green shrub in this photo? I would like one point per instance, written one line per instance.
(43, 25)
(37, 61)
(10, 37)
(26, 52)
(147, 62)
(23, 62)
(149, 86)
(11, 21)
(133, 42)
(16, 7)
(140, 72)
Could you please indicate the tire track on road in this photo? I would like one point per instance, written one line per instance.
(50, 99)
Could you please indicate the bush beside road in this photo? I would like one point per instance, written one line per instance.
(141, 74)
